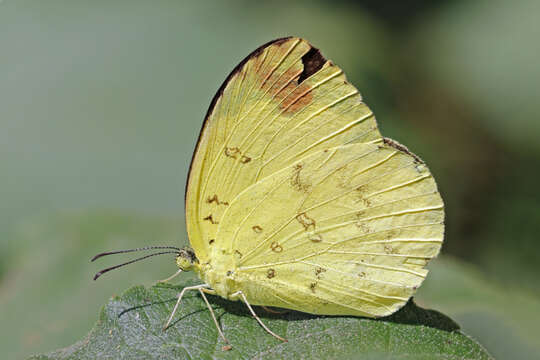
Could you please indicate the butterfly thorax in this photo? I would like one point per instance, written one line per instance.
(220, 275)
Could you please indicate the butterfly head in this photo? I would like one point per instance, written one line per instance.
(186, 259)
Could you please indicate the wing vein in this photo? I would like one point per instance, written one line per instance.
(233, 130)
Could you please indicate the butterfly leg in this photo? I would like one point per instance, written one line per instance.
(244, 299)
(170, 277)
(212, 292)
(196, 287)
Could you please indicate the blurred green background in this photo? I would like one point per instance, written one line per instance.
(101, 103)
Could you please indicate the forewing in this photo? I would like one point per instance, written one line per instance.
(347, 230)
(283, 102)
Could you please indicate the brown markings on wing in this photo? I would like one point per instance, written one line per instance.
(216, 200)
(235, 153)
(361, 192)
(307, 222)
(289, 88)
(363, 227)
(302, 96)
(270, 273)
(257, 229)
(211, 219)
(318, 271)
(276, 247)
(268, 75)
(232, 152)
(285, 83)
(367, 202)
(245, 159)
(298, 182)
(360, 214)
(298, 99)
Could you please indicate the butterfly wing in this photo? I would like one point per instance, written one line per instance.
(346, 230)
(283, 102)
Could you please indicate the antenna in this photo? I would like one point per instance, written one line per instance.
(132, 250)
(98, 274)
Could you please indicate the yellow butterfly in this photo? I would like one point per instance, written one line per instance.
(295, 200)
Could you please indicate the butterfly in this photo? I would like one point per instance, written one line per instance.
(295, 200)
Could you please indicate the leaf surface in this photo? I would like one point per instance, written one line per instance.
(129, 327)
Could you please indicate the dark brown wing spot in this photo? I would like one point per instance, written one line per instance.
(312, 286)
(313, 61)
(238, 253)
(257, 229)
(216, 200)
(318, 271)
(276, 247)
(270, 273)
(211, 219)
(307, 222)
(211, 241)
(302, 95)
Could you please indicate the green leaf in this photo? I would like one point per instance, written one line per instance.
(130, 327)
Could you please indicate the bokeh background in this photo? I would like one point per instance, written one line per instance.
(101, 103)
